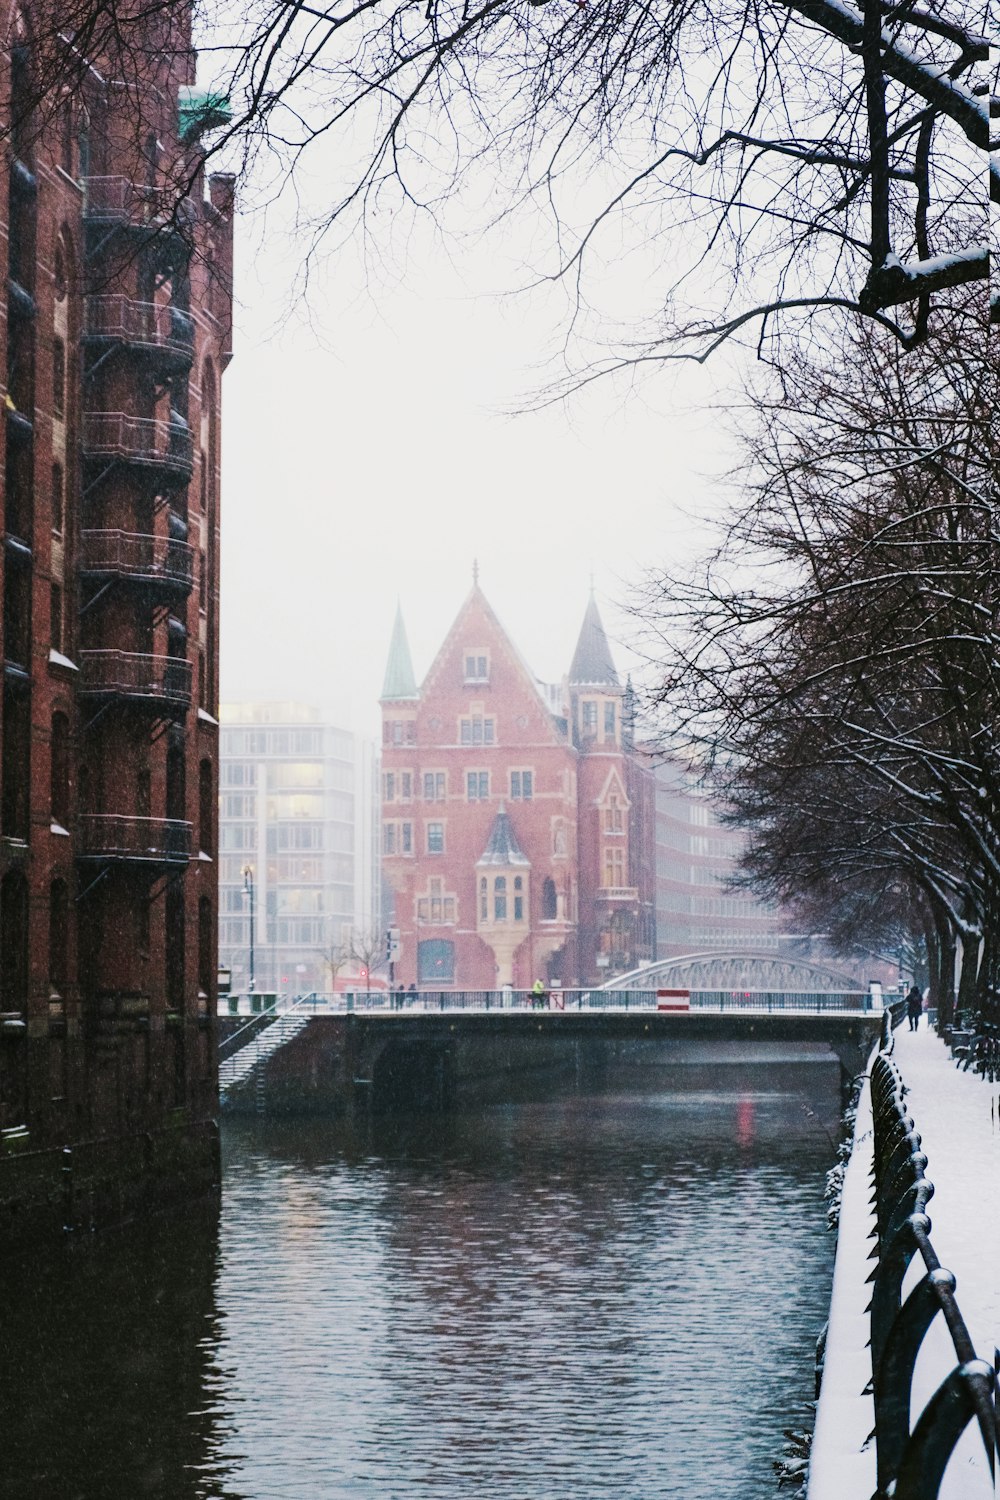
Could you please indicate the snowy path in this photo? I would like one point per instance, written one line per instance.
(958, 1117)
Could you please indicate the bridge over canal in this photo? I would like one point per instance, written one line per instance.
(461, 1050)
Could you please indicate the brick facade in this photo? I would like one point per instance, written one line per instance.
(113, 339)
(516, 821)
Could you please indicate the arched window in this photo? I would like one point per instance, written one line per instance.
(436, 961)
(205, 807)
(14, 941)
(205, 945)
(59, 797)
(548, 899)
(58, 937)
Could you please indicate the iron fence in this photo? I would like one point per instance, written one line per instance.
(911, 1458)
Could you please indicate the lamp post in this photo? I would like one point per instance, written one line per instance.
(248, 887)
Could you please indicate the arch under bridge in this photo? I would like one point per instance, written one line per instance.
(743, 970)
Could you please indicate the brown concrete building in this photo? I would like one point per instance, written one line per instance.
(115, 334)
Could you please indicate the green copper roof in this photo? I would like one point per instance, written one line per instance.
(399, 679)
(198, 111)
(592, 661)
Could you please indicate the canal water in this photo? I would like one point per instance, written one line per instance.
(608, 1295)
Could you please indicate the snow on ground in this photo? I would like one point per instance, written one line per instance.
(958, 1118)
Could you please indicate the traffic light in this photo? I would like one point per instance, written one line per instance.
(391, 944)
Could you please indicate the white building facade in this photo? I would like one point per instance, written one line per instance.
(298, 814)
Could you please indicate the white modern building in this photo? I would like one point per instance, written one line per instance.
(298, 814)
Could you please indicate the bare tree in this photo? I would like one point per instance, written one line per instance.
(770, 158)
(367, 949)
(838, 660)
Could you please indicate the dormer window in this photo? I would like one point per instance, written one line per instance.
(477, 664)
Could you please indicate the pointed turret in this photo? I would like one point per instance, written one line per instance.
(593, 665)
(400, 684)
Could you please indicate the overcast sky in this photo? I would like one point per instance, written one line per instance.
(369, 456)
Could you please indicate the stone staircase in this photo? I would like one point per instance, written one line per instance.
(244, 1065)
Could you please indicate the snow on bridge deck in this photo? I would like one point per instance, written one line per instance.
(958, 1118)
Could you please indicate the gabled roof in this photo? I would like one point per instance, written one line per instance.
(502, 847)
(399, 683)
(593, 665)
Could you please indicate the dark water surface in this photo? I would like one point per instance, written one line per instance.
(598, 1296)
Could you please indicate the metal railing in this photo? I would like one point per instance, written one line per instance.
(159, 325)
(121, 200)
(115, 434)
(910, 1462)
(136, 675)
(709, 1001)
(145, 558)
(121, 836)
(263, 1019)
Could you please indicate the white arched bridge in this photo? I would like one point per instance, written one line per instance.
(741, 971)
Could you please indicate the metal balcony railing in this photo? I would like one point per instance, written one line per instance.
(116, 836)
(112, 200)
(142, 558)
(153, 324)
(136, 676)
(146, 440)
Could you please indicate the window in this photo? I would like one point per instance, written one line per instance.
(58, 378)
(548, 899)
(406, 838)
(476, 731)
(518, 899)
(388, 838)
(435, 961)
(589, 718)
(434, 786)
(206, 806)
(522, 785)
(614, 819)
(477, 666)
(56, 615)
(58, 503)
(609, 721)
(399, 732)
(500, 899)
(477, 786)
(389, 786)
(397, 838)
(202, 581)
(614, 867)
(435, 838)
(59, 770)
(406, 786)
(484, 900)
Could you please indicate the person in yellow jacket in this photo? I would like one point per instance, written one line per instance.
(538, 995)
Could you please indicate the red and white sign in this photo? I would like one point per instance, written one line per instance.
(673, 999)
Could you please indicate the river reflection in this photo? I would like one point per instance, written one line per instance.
(610, 1295)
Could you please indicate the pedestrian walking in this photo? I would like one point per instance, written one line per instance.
(538, 995)
(914, 1006)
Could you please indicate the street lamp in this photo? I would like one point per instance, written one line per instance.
(248, 887)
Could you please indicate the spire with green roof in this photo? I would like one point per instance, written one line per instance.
(399, 684)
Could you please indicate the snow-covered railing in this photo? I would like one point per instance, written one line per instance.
(764, 1002)
(910, 1461)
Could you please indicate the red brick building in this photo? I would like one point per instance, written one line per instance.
(517, 823)
(117, 258)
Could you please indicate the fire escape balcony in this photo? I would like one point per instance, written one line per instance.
(160, 332)
(157, 562)
(147, 441)
(160, 682)
(134, 205)
(111, 837)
